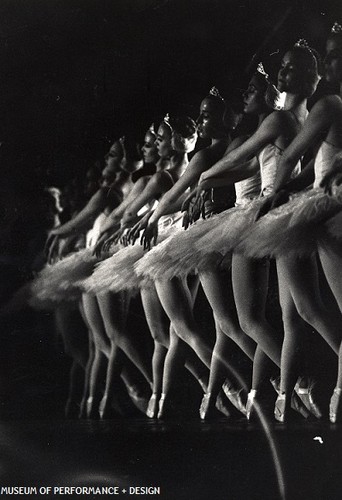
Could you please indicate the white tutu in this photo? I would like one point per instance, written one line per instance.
(165, 260)
(60, 282)
(115, 273)
(334, 226)
(292, 229)
(206, 244)
(118, 273)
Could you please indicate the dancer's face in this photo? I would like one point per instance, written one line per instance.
(149, 149)
(254, 97)
(210, 120)
(163, 141)
(289, 75)
(333, 61)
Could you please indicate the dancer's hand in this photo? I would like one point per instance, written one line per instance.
(99, 247)
(112, 240)
(205, 199)
(189, 200)
(51, 248)
(273, 201)
(188, 207)
(133, 233)
(149, 235)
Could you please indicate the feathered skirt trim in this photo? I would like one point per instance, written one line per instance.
(205, 245)
(60, 282)
(118, 273)
(293, 229)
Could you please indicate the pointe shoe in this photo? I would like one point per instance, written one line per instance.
(222, 405)
(206, 407)
(297, 403)
(152, 407)
(103, 407)
(275, 381)
(280, 408)
(141, 402)
(234, 397)
(161, 406)
(250, 405)
(305, 395)
(299, 406)
(90, 412)
(335, 406)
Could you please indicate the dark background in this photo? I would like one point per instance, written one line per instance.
(76, 74)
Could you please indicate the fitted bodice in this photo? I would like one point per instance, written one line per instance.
(94, 233)
(247, 189)
(269, 159)
(323, 161)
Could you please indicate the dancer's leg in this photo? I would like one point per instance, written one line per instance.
(114, 308)
(331, 260)
(87, 375)
(292, 351)
(250, 286)
(177, 303)
(302, 279)
(159, 325)
(218, 290)
(94, 320)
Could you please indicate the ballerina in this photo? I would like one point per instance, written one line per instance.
(325, 120)
(79, 265)
(298, 77)
(213, 123)
(176, 137)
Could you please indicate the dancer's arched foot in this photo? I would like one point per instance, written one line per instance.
(335, 406)
(139, 400)
(306, 396)
(251, 411)
(91, 410)
(283, 409)
(235, 397)
(103, 408)
(152, 407)
(207, 408)
(162, 406)
(299, 406)
(222, 405)
(297, 402)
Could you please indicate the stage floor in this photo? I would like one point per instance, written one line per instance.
(177, 459)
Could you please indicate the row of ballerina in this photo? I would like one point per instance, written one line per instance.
(160, 232)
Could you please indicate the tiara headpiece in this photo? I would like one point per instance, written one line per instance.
(151, 129)
(215, 92)
(273, 97)
(261, 70)
(166, 120)
(336, 28)
(302, 43)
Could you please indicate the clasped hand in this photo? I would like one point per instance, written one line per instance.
(273, 201)
(194, 206)
(149, 236)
